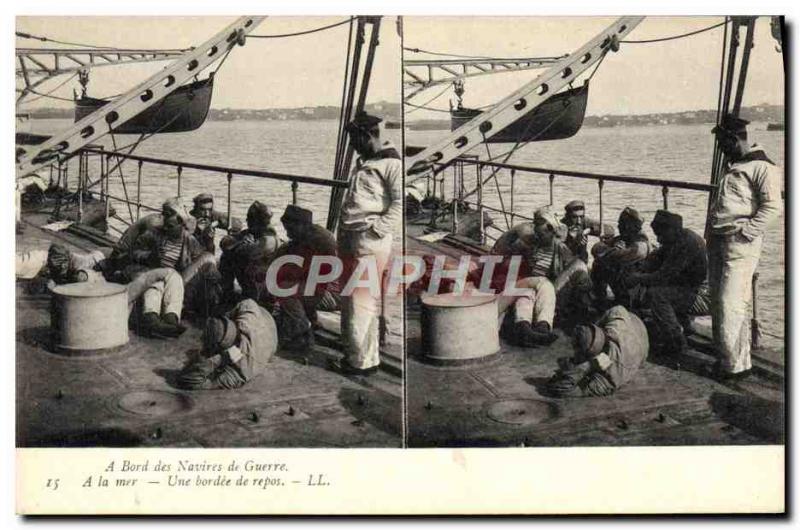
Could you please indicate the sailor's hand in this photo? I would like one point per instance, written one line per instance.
(584, 239)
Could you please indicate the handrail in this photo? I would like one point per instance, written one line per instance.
(223, 169)
(594, 176)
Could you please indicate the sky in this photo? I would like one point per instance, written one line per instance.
(299, 71)
(308, 70)
(641, 78)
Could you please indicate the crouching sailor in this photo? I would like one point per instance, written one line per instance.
(236, 348)
(607, 356)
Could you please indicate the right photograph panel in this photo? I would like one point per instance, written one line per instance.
(595, 209)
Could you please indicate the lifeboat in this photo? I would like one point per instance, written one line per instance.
(183, 110)
(559, 117)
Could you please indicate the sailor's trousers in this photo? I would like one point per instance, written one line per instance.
(161, 291)
(732, 260)
(537, 302)
(361, 307)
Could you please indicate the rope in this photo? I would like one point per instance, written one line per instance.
(417, 107)
(418, 50)
(48, 94)
(425, 108)
(32, 91)
(315, 30)
(459, 56)
(83, 45)
(664, 39)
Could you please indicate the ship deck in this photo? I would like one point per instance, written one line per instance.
(127, 397)
(500, 402)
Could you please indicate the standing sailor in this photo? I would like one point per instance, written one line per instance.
(371, 211)
(748, 201)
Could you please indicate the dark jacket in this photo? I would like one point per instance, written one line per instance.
(317, 242)
(684, 263)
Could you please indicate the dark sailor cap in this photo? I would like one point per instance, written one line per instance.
(203, 198)
(297, 214)
(259, 210)
(574, 206)
(664, 218)
(631, 213)
(731, 125)
(363, 122)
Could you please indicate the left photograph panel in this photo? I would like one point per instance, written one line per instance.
(206, 207)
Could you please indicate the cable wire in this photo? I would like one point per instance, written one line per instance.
(48, 94)
(23, 35)
(417, 107)
(307, 32)
(460, 56)
(663, 39)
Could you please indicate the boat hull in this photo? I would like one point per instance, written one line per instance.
(559, 117)
(183, 110)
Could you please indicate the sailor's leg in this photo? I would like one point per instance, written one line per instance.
(733, 296)
(198, 266)
(544, 308)
(666, 303)
(172, 294)
(293, 322)
(145, 280)
(361, 309)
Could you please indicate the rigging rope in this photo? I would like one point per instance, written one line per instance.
(83, 45)
(663, 39)
(485, 57)
(32, 91)
(437, 96)
(315, 30)
(48, 94)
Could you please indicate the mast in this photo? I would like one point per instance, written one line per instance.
(344, 151)
(729, 72)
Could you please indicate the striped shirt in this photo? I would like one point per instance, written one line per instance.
(170, 252)
(541, 261)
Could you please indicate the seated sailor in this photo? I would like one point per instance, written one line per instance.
(580, 227)
(246, 254)
(209, 219)
(172, 246)
(236, 348)
(607, 356)
(121, 253)
(551, 274)
(298, 313)
(59, 265)
(619, 256)
(673, 277)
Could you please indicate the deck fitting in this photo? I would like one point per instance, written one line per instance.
(521, 411)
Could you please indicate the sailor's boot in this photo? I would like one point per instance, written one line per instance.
(172, 320)
(529, 336)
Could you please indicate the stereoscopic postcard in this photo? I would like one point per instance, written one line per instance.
(400, 265)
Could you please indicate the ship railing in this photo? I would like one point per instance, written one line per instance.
(488, 171)
(112, 164)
